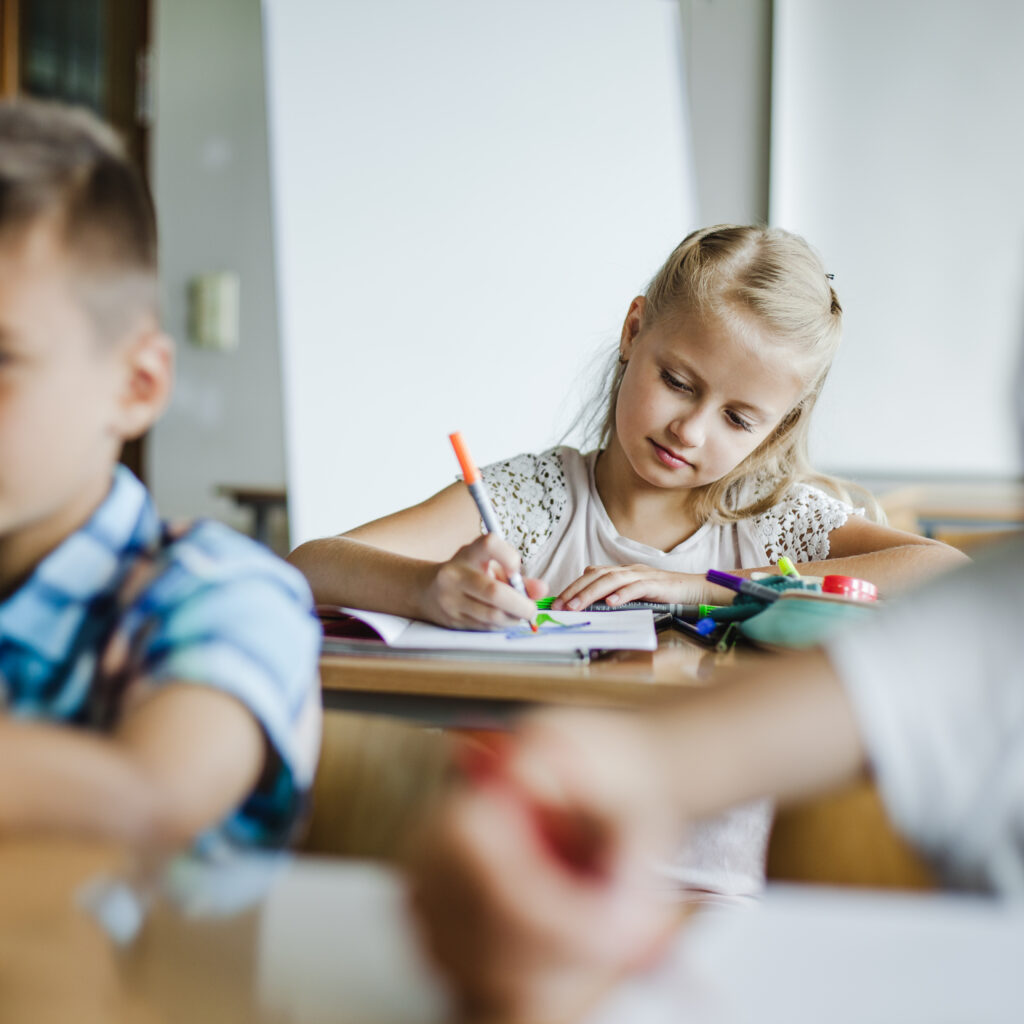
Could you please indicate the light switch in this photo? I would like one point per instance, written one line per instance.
(213, 305)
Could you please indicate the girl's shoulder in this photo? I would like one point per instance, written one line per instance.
(531, 494)
(799, 523)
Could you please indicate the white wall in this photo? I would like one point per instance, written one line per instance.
(467, 197)
(897, 150)
(212, 194)
(225, 424)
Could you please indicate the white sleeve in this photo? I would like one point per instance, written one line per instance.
(529, 494)
(799, 525)
(937, 685)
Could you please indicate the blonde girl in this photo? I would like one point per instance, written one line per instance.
(700, 463)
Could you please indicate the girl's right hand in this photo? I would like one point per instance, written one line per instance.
(471, 590)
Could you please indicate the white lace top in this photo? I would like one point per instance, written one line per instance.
(549, 509)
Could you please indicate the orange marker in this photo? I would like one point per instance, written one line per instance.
(476, 487)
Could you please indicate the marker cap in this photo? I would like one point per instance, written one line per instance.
(469, 471)
(851, 587)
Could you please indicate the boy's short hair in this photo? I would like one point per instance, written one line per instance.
(63, 164)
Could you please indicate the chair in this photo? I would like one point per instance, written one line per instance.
(844, 839)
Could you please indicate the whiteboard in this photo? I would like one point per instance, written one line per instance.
(467, 195)
(897, 149)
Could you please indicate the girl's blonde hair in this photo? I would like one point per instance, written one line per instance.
(734, 273)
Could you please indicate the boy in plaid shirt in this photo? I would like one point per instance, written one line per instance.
(157, 684)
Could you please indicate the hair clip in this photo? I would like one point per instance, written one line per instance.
(831, 277)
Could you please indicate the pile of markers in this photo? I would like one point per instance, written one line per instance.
(716, 625)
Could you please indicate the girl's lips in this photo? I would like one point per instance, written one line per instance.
(669, 458)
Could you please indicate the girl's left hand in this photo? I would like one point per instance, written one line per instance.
(617, 584)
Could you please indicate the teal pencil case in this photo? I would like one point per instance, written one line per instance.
(803, 619)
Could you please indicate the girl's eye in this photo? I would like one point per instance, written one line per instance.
(675, 383)
(738, 421)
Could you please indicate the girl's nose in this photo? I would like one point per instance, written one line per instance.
(690, 429)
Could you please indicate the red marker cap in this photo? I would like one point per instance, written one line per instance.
(851, 587)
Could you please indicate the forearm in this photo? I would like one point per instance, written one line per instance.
(56, 779)
(343, 571)
(783, 728)
(891, 569)
(178, 763)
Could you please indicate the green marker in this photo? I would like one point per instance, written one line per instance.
(734, 612)
(728, 639)
(787, 568)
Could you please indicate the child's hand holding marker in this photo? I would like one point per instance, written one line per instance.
(481, 586)
(472, 590)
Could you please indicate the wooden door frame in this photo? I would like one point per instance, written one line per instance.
(9, 47)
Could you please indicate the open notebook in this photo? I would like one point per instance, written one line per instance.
(562, 636)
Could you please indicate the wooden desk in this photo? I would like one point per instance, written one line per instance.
(376, 773)
(260, 940)
(464, 692)
(379, 767)
(269, 940)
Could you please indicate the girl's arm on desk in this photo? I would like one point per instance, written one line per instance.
(891, 559)
(427, 562)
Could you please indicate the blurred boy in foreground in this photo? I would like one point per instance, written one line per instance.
(157, 683)
(534, 881)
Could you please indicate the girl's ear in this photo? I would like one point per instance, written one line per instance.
(147, 381)
(632, 326)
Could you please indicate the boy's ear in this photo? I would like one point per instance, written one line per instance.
(632, 326)
(148, 378)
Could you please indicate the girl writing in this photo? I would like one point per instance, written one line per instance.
(701, 463)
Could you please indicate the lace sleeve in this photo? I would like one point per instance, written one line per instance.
(799, 525)
(529, 495)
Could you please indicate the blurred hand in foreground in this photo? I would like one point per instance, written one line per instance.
(533, 881)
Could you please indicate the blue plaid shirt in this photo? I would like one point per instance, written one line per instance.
(128, 604)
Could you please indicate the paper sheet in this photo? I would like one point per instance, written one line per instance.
(559, 631)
